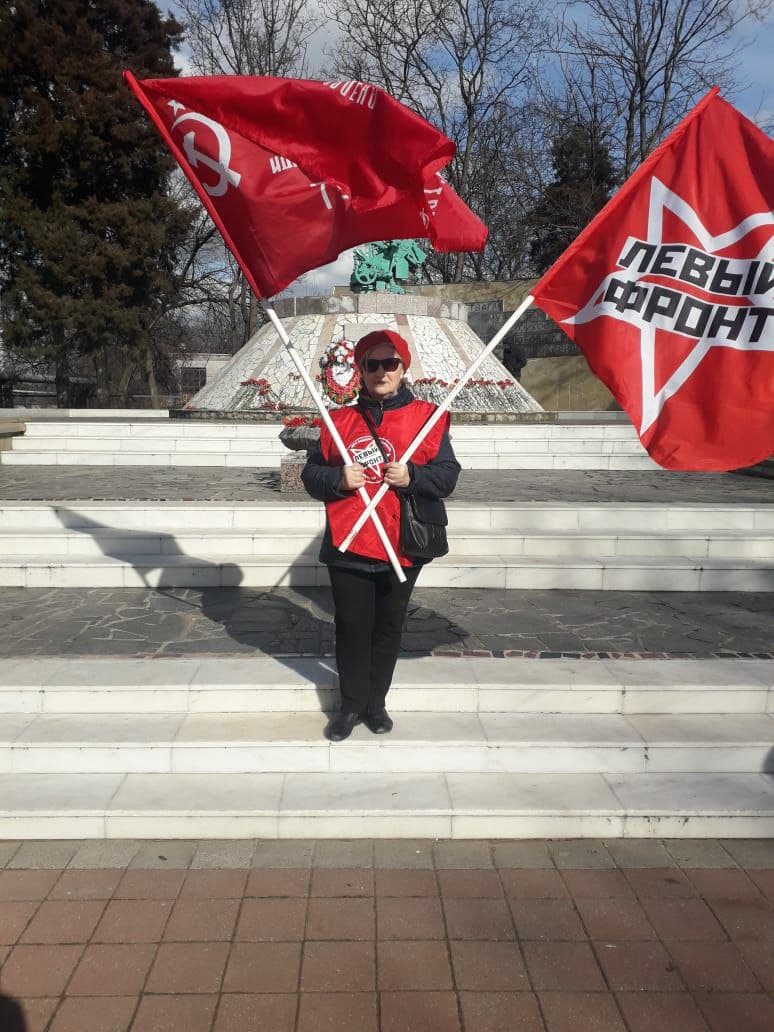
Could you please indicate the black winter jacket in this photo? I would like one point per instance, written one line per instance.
(433, 481)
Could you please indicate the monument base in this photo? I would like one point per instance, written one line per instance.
(290, 473)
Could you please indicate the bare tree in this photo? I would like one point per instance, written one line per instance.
(464, 65)
(248, 37)
(240, 37)
(636, 67)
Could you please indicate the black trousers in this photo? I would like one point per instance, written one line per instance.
(369, 611)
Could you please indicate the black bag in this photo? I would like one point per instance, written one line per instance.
(420, 537)
(422, 519)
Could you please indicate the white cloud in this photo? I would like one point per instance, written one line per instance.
(323, 280)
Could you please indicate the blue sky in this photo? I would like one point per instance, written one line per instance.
(757, 69)
(756, 65)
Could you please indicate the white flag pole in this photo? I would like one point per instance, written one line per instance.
(438, 414)
(346, 458)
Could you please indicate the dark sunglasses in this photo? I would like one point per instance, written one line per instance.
(389, 365)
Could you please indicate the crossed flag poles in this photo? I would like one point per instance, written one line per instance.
(370, 503)
(336, 436)
(370, 510)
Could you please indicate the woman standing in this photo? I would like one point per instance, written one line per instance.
(370, 603)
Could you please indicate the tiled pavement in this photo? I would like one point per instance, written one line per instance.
(232, 484)
(201, 622)
(387, 936)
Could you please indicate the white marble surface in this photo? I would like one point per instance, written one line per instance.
(28, 672)
(165, 699)
(585, 729)
(120, 673)
(698, 826)
(266, 671)
(535, 572)
(762, 669)
(366, 793)
(391, 805)
(436, 699)
(12, 727)
(537, 825)
(419, 729)
(263, 700)
(257, 758)
(370, 825)
(705, 794)
(578, 699)
(522, 793)
(67, 793)
(210, 793)
(114, 728)
(252, 728)
(676, 673)
(545, 673)
(703, 728)
(263, 672)
(424, 671)
(692, 699)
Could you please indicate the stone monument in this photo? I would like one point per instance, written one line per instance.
(262, 378)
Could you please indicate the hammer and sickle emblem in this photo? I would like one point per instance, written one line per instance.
(226, 175)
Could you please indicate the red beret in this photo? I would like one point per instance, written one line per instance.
(389, 337)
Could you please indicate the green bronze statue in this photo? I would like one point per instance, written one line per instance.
(381, 265)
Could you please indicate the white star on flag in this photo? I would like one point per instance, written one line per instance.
(661, 197)
(680, 261)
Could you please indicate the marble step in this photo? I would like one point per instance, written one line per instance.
(200, 446)
(518, 458)
(610, 519)
(172, 430)
(265, 684)
(252, 743)
(613, 573)
(374, 805)
(218, 543)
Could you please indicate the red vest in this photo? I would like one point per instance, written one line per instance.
(398, 429)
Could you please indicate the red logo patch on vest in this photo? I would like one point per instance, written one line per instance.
(365, 451)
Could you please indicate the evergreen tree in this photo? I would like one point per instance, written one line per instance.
(87, 232)
(584, 178)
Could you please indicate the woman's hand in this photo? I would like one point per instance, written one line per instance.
(352, 477)
(396, 474)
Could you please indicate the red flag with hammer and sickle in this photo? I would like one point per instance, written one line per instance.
(293, 172)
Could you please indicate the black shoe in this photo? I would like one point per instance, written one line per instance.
(341, 726)
(379, 721)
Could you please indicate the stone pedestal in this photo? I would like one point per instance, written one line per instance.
(443, 346)
(290, 472)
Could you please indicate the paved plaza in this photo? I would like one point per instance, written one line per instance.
(387, 936)
(299, 621)
(216, 484)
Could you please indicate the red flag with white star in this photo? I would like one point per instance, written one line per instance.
(669, 293)
(293, 172)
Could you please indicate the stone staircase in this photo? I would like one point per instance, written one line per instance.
(142, 442)
(226, 747)
(664, 547)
